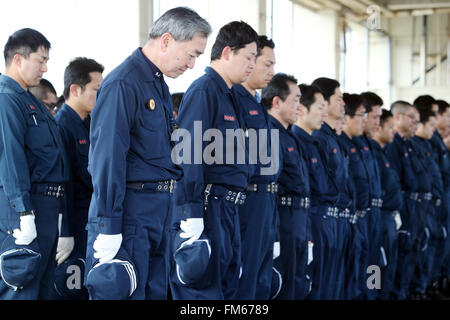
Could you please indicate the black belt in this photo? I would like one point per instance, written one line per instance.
(413, 195)
(293, 201)
(258, 187)
(345, 214)
(48, 189)
(236, 197)
(361, 213)
(160, 186)
(377, 202)
(426, 196)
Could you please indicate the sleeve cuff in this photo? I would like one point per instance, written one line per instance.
(192, 210)
(21, 204)
(109, 225)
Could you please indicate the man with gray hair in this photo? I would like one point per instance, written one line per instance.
(132, 172)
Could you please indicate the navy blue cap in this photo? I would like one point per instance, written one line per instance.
(69, 279)
(19, 264)
(277, 282)
(113, 280)
(192, 260)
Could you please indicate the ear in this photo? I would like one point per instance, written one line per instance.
(17, 60)
(75, 90)
(276, 103)
(226, 53)
(165, 40)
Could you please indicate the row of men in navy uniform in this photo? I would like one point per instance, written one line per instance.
(305, 225)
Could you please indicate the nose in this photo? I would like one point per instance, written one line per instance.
(191, 63)
(44, 67)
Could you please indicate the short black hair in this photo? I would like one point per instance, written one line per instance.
(443, 105)
(371, 99)
(352, 103)
(24, 42)
(43, 89)
(176, 100)
(236, 35)
(308, 96)
(399, 105)
(385, 115)
(327, 86)
(425, 114)
(277, 87)
(263, 42)
(424, 102)
(77, 72)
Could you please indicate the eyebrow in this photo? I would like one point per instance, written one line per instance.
(198, 52)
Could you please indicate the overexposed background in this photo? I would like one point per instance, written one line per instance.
(308, 43)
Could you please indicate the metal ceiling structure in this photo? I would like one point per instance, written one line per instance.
(357, 10)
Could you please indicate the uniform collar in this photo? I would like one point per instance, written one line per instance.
(325, 128)
(277, 124)
(437, 134)
(148, 68)
(72, 113)
(242, 91)
(305, 136)
(219, 80)
(11, 83)
(375, 145)
(345, 137)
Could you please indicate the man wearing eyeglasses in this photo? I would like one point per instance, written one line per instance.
(358, 255)
(47, 94)
(399, 155)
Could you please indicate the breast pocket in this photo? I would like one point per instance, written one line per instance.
(38, 133)
(255, 119)
(357, 168)
(151, 133)
(318, 175)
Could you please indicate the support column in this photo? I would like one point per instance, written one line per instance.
(145, 20)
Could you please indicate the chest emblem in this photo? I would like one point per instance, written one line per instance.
(253, 112)
(82, 141)
(151, 104)
(228, 118)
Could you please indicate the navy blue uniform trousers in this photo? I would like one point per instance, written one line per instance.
(145, 238)
(46, 219)
(258, 224)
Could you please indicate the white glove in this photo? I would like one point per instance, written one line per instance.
(398, 221)
(27, 232)
(64, 249)
(106, 246)
(192, 229)
(276, 250)
(310, 253)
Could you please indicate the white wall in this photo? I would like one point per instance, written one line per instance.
(217, 13)
(75, 28)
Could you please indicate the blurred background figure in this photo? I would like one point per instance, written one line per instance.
(47, 94)
(176, 101)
